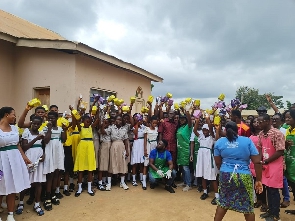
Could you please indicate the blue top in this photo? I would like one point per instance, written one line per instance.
(153, 155)
(235, 153)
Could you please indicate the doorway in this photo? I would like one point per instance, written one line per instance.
(43, 94)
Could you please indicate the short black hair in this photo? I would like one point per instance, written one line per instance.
(5, 110)
(53, 105)
(165, 142)
(36, 118)
(154, 117)
(52, 113)
(40, 108)
(236, 113)
(265, 117)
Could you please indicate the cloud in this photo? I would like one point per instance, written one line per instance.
(200, 48)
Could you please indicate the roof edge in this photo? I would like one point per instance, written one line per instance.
(8, 37)
(85, 49)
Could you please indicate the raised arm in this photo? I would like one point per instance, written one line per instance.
(196, 127)
(96, 120)
(21, 122)
(208, 121)
(271, 103)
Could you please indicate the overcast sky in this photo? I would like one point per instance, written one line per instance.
(200, 48)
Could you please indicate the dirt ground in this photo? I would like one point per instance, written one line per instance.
(136, 204)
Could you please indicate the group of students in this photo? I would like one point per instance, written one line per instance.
(161, 145)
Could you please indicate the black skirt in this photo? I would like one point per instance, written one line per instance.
(69, 163)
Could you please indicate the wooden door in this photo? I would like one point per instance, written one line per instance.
(44, 95)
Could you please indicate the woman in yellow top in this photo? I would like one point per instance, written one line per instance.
(85, 159)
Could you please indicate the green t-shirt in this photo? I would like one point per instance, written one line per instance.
(183, 145)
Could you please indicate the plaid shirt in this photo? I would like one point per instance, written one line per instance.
(276, 136)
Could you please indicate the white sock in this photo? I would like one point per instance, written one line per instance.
(217, 195)
(144, 180)
(65, 187)
(89, 187)
(122, 179)
(205, 191)
(57, 190)
(100, 182)
(104, 179)
(36, 205)
(79, 188)
(140, 176)
(110, 180)
(71, 180)
(10, 213)
(133, 177)
(21, 202)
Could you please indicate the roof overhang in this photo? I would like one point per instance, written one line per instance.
(77, 47)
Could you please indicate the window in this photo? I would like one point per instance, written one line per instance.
(101, 92)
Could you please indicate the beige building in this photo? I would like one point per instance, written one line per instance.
(246, 113)
(36, 62)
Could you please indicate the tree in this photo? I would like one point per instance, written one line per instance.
(289, 104)
(253, 99)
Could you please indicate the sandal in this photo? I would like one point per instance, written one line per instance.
(39, 210)
(47, 205)
(55, 200)
(20, 209)
(257, 204)
(263, 208)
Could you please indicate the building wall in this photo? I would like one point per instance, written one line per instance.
(22, 69)
(36, 67)
(6, 72)
(94, 73)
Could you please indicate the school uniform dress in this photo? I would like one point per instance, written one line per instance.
(34, 153)
(75, 141)
(206, 166)
(85, 159)
(137, 152)
(118, 163)
(152, 136)
(14, 170)
(104, 151)
(54, 152)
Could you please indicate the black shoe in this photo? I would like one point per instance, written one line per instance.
(47, 205)
(144, 187)
(59, 195)
(55, 201)
(101, 187)
(174, 185)
(152, 186)
(77, 194)
(204, 196)
(265, 215)
(292, 212)
(200, 189)
(169, 189)
(91, 194)
(66, 192)
(30, 201)
(71, 187)
(213, 202)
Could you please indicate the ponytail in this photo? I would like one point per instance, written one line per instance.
(231, 134)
